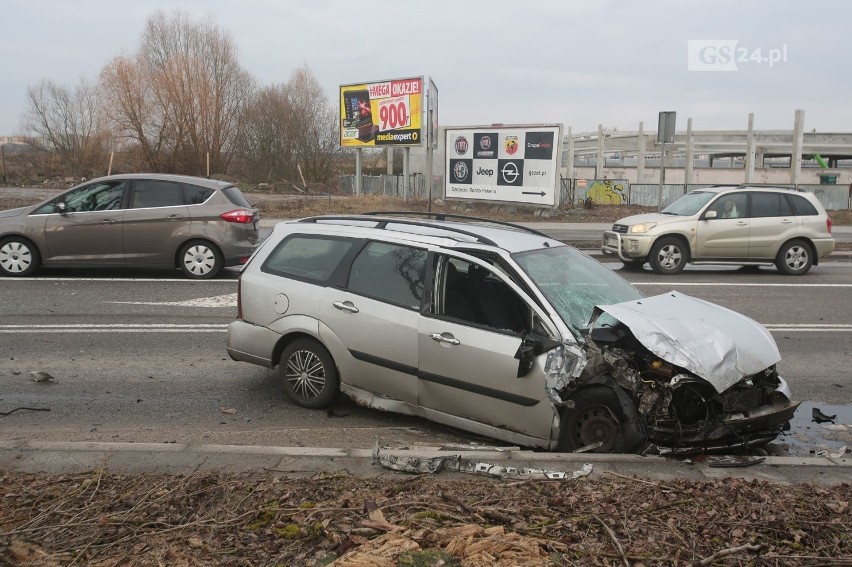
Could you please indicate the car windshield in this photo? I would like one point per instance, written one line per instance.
(574, 283)
(689, 204)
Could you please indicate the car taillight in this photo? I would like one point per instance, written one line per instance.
(828, 224)
(240, 216)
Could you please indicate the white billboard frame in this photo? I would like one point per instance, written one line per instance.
(506, 163)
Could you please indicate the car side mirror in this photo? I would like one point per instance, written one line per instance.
(710, 215)
(61, 208)
(532, 345)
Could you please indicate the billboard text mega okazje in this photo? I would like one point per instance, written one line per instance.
(386, 113)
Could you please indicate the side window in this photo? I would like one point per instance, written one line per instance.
(311, 258)
(390, 272)
(103, 196)
(477, 295)
(769, 205)
(802, 206)
(730, 206)
(148, 193)
(195, 195)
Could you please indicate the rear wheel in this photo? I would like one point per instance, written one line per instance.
(18, 257)
(597, 417)
(200, 260)
(309, 374)
(669, 255)
(795, 258)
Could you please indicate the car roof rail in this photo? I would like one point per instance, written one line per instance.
(381, 223)
(450, 216)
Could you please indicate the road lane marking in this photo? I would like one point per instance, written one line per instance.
(735, 284)
(227, 300)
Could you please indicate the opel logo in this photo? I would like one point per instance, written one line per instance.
(509, 172)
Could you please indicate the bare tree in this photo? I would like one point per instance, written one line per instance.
(67, 122)
(181, 97)
(288, 127)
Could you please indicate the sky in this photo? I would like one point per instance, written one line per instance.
(579, 63)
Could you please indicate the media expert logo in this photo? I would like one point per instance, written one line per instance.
(461, 145)
(726, 54)
(484, 146)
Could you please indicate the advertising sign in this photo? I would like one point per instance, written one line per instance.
(518, 164)
(385, 113)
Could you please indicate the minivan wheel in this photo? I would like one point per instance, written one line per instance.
(596, 417)
(794, 258)
(18, 257)
(668, 255)
(200, 260)
(309, 374)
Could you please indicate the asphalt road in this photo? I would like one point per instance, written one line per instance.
(140, 357)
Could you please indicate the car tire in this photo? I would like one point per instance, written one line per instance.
(308, 374)
(794, 258)
(18, 257)
(597, 416)
(669, 255)
(200, 260)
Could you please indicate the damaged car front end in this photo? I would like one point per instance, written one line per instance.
(669, 374)
(688, 377)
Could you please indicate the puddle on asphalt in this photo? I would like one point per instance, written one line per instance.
(807, 437)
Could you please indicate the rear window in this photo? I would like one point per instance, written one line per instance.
(769, 205)
(236, 196)
(802, 206)
(151, 193)
(311, 258)
(195, 195)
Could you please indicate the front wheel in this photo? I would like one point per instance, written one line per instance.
(597, 417)
(309, 374)
(200, 260)
(669, 255)
(794, 258)
(18, 257)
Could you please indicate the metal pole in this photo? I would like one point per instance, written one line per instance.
(3, 160)
(662, 178)
(358, 171)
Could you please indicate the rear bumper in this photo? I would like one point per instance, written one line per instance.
(252, 343)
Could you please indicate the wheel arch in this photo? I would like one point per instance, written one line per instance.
(806, 240)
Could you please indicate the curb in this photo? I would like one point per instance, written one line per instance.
(187, 458)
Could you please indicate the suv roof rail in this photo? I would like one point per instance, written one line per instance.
(381, 223)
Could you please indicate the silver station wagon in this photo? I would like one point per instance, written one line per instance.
(134, 220)
(502, 331)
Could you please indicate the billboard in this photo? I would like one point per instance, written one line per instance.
(517, 164)
(384, 113)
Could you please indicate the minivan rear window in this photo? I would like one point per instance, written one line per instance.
(236, 196)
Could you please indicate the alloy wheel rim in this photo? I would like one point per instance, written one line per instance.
(797, 257)
(669, 256)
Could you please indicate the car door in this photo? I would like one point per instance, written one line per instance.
(772, 223)
(374, 319)
(84, 226)
(726, 235)
(156, 222)
(468, 346)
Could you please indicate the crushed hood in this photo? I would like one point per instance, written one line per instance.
(715, 343)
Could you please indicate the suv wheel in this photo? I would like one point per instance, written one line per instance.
(200, 260)
(309, 375)
(596, 417)
(18, 257)
(668, 255)
(794, 258)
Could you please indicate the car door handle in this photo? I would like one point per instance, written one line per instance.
(174, 217)
(444, 338)
(786, 221)
(108, 221)
(742, 223)
(345, 306)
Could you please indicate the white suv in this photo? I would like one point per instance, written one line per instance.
(499, 330)
(727, 225)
